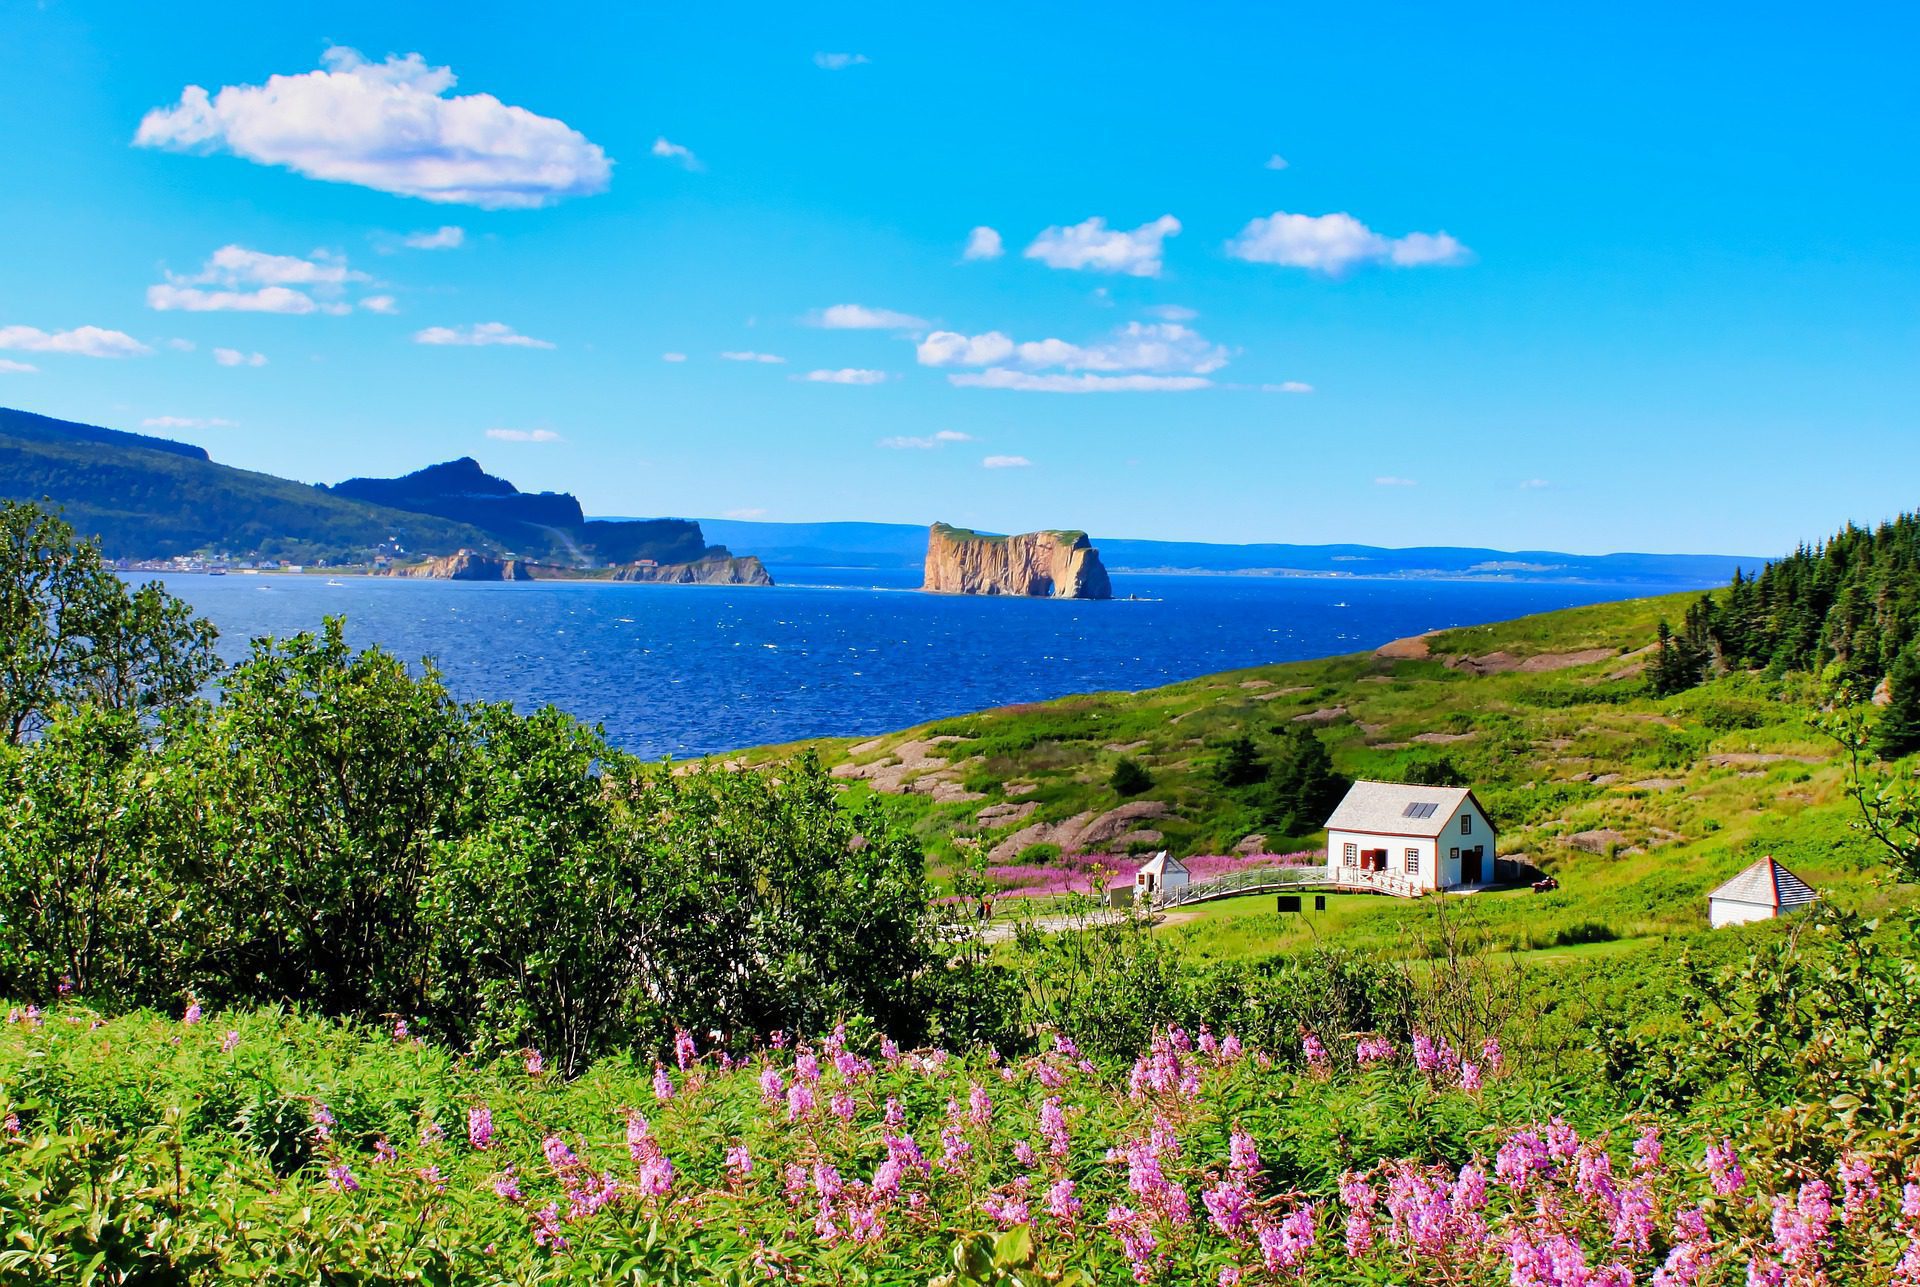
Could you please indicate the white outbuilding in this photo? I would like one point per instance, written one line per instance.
(1161, 872)
(1761, 892)
(1410, 840)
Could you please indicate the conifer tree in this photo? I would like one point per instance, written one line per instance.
(1898, 732)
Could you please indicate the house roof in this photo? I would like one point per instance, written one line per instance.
(1767, 884)
(1160, 864)
(1394, 809)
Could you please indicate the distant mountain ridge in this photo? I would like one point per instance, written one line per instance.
(146, 497)
(902, 546)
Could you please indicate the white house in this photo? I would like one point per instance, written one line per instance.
(1410, 839)
(1761, 892)
(1162, 871)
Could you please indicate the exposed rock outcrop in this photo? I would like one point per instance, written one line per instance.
(723, 571)
(467, 566)
(1059, 565)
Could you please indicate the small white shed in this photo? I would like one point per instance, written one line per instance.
(1162, 871)
(1761, 892)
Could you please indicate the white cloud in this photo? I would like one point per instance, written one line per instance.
(387, 126)
(185, 422)
(1174, 312)
(180, 346)
(929, 443)
(675, 152)
(254, 281)
(1287, 386)
(1534, 484)
(9, 367)
(748, 355)
(846, 375)
(480, 334)
(446, 237)
(1276, 162)
(983, 243)
(81, 341)
(1005, 462)
(1000, 377)
(673, 357)
(524, 435)
(1334, 243)
(858, 317)
(234, 357)
(1390, 481)
(1109, 250)
(380, 304)
(950, 348)
(1163, 347)
(839, 62)
(745, 514)
(166, 297)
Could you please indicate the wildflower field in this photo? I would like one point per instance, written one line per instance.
(258, 1147)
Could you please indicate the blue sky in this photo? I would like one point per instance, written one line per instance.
(1645, 278)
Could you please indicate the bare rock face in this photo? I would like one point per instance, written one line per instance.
(1058, 565)
(727, 571)
(467, 566)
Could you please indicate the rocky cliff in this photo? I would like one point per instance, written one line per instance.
(1059, 565)
(721, 571)
(467, 566)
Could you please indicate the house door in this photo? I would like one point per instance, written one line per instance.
(1470, 865)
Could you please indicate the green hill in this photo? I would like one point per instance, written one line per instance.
(1638, 804)
(155, 498)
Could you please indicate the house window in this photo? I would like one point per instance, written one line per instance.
(1466, 824)
(1413, 862)
(1454, 854)
(1350, 855)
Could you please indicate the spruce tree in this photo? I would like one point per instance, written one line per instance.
(1898, 732)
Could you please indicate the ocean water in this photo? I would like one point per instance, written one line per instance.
(691, 670)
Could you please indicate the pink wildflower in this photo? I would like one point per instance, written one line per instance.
(480, 1126)
(536, 1064)
(662, 1083)
(1061, 1204)
(228, 1042)
(1723, 1167)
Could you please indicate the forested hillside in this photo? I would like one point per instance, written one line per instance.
(153, 498)
(1848, 609)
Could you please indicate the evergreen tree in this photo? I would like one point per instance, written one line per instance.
(1239, 763)
(1898, 732)
(1304, 786)
(1129, 777)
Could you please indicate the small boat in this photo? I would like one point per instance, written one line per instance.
(216, 571)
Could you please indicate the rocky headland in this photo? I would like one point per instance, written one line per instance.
(466, 566)
(745, 570)
(1040, 565)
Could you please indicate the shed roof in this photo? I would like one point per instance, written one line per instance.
(1767, 884)
(1395, 809)
(1160, 864)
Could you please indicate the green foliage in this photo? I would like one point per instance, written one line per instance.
(1238, 763)
(1303, 787)
(337, 832)
(1433, 770)
(1897, 733)
(1821, 1030)
(1129, 777)
(71, 633)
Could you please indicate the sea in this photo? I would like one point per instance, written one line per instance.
(689, 671)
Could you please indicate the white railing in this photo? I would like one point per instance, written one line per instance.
(1256, 880)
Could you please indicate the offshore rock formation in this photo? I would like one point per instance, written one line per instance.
(1059, 565)
(721, 571)
(467, 566)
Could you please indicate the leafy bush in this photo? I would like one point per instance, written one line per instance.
(1129, 777)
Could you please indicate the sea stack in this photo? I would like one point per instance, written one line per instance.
(1038, 565)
